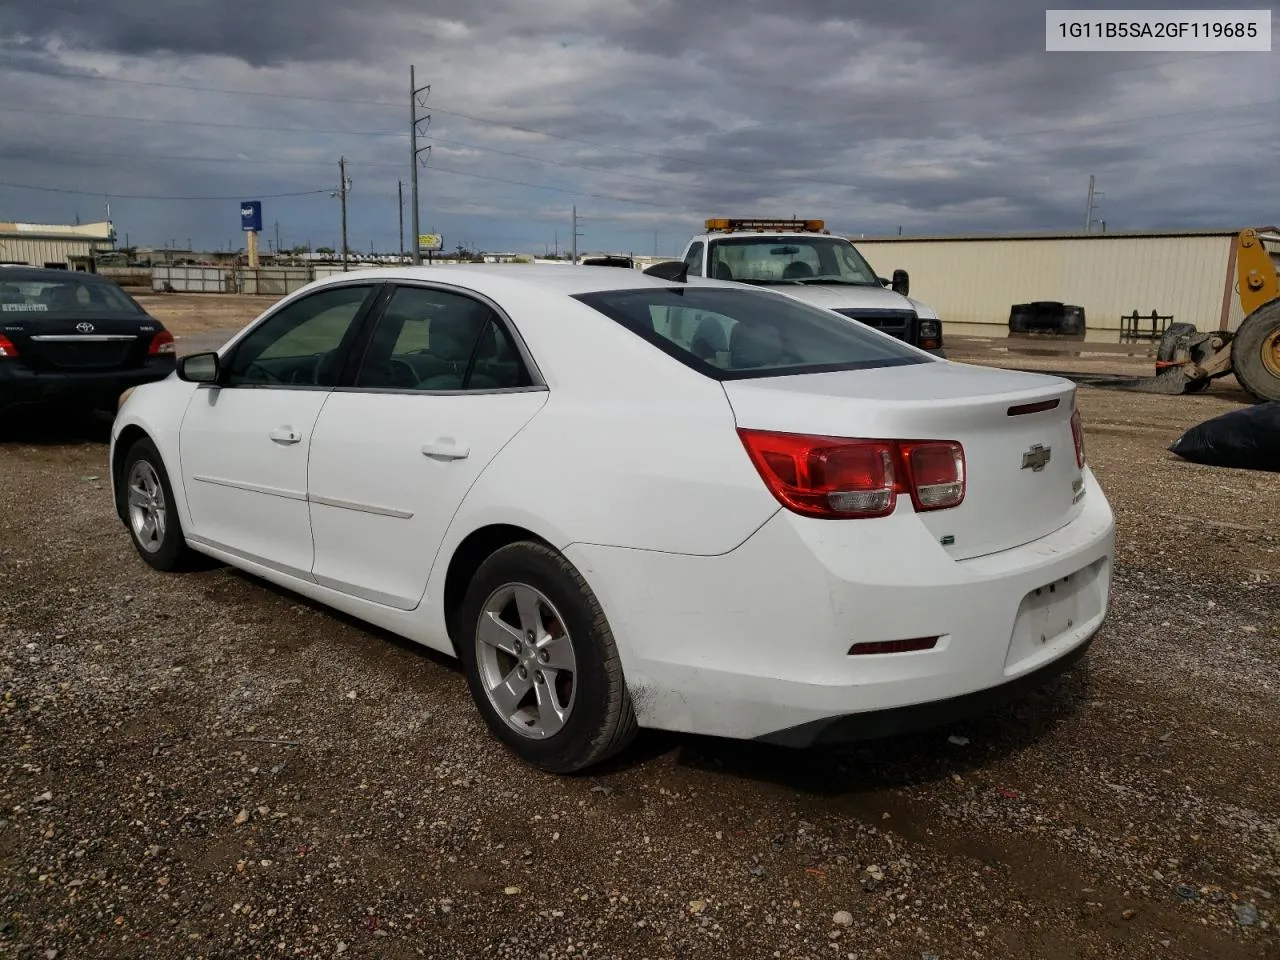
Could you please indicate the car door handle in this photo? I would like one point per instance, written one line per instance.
(446, 449)
(285, 435)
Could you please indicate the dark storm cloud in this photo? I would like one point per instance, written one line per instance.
(930, 114)
(260, 33)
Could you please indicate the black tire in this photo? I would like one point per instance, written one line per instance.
(1259, 332)
(1020, 318)
(1073, 322)
(168, 552)
(601, 721)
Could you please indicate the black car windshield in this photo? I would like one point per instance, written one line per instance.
(733, 334)
(765, 260)
(70, 296)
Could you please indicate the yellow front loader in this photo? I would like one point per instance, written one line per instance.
(1188, 360)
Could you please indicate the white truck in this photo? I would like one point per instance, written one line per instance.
(802, 259)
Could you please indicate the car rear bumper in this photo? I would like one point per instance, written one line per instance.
(755, 643)
(20, 386)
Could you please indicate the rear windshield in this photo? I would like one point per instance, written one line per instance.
(65, 296)
(735, 334)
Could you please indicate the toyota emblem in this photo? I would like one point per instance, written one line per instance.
(85, 327)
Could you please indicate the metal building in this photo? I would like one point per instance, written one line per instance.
(71, 247)
(975, 279)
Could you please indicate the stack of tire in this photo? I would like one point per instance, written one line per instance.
(1047, 318)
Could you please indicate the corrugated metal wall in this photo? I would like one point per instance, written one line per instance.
(192, 279)
(977, 281)
(37, 253)
(273, 281)
(266, 281)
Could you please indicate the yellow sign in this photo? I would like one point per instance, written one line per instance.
(428, 242)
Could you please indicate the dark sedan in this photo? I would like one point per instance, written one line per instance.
(74, 341)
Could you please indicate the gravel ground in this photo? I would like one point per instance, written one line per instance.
(205, 766)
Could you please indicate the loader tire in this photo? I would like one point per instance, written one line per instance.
(1255, 352)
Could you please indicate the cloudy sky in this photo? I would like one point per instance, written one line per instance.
(650, 115)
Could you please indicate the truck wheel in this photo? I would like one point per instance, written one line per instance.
(1255, 352)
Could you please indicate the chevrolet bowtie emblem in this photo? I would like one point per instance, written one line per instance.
(1037, 458)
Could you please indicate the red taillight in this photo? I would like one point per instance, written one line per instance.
(162, 342)
(936, 469)
(835, 477)
(1077, 434)
(893, 646)
(7, 349)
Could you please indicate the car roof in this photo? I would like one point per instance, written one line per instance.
(15, 272)
(493, 278)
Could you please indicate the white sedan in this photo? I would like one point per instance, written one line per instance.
(626, 501)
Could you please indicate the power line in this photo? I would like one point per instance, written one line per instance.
(798, 178)
(555, 162)
(196, 88)
(519, 127)
(135, 196)
(1058, 148)
(301, 193)
(1216, 108)
(539, 186)
(199, 123)
(135, 155)
(897, 165)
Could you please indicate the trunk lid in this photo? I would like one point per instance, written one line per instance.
(1022, 479)
(80, 341)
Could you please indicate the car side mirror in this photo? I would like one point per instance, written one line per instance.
(901, 283)
(199, 368)
(884, 281)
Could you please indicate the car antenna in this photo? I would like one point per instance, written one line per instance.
(676, 270)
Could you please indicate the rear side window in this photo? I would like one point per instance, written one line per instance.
(736, 334)
(433, 340)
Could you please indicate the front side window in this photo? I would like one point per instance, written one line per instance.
(301, 344)
(436, 340)
(732, 334)
(812, 260)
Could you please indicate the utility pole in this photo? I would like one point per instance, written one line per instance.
(573, 258)
(400, 200)
(277, 238)
(1094, 197)
(415, 151)
(343, 186)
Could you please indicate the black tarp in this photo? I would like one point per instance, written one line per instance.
(1248, 439)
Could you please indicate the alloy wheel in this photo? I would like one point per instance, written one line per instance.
(147, 510)
(526, 661)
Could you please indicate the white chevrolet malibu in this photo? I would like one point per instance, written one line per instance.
(626, 501)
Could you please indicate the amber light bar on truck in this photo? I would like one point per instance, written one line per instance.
(726, 225)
